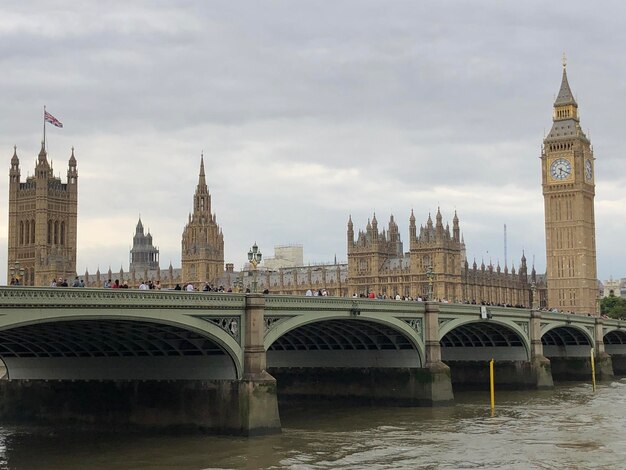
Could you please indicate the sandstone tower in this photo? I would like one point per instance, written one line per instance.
(567, 165)
(202, 242)
(42, 222)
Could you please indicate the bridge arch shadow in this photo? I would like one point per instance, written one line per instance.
(568, 347)
(353, 360)
(342, 342)
(468, 347)
(113, 349)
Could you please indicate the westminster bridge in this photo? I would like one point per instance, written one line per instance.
(221, 361)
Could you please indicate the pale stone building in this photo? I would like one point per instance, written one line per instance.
(285, 256)
(42, 223)
(567, 164)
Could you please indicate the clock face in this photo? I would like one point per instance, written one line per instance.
(588, 170)
(560, 169)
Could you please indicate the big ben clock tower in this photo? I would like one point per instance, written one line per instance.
(567, 164)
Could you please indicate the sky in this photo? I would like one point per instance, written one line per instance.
(308, 112)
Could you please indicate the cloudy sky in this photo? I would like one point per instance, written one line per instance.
(308, 112)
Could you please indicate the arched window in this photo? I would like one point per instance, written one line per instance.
(32, 231)
(21, 232)
(56, 232)
(49, 232)
(26, 232)
(62, 233)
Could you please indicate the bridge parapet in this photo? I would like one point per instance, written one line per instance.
(61, 297)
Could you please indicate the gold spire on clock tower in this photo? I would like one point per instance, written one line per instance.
(567, 164)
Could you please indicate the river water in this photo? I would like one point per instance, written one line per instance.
(570, 427)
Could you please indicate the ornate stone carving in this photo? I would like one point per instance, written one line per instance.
(229, 324)
(416, 324)
(272, 321)
(523, 325)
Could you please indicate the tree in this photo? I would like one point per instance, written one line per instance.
(613, 306)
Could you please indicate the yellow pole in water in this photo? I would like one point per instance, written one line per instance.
(593, 371)
(491, 388)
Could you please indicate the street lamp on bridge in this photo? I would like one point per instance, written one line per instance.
(430, 275)
(254, 257)
(17, 273)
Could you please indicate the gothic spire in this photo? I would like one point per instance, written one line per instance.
(565, 96)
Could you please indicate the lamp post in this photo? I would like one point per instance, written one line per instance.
(17, 273)
(533, 297)
(254, 257)
(430, 275)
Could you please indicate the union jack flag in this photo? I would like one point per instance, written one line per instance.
(51, 119)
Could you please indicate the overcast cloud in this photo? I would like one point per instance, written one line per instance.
(308, 112)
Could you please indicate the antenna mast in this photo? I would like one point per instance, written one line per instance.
(505, 251)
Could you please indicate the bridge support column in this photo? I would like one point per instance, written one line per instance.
(540, 365)
(604, 364)
(257, 394)
(440, 385)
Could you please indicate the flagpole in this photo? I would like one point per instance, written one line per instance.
(44, 128)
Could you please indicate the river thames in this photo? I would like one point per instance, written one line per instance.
(570, 427)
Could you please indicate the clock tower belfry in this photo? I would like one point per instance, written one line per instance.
(567, 165)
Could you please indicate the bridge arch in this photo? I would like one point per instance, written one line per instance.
(343, 340)
(566, 340)
(110, 347)
(481, 340)
(615, 341)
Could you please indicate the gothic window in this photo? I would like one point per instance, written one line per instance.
(21, 232)
(26, 232)
(49, 232)
(62, 236)
(56, 232)
(32, 231)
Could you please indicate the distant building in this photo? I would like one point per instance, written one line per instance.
(435, 261)
(617, 287)
(285, 256)
(202, 241)
(143, 255)
(42, 223)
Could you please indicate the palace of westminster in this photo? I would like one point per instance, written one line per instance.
(43, 232)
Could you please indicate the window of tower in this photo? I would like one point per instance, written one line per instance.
(21, 232)
(49, 232)
(32, 231)
(26, 232)
(56, 232)
(62, 233)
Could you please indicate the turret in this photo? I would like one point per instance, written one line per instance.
(374, 228)
(412, 227)
(439, 224)
(456, 231)
(14, 173)
(350, 233)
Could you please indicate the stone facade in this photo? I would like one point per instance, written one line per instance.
(143, 255)
(567, 164)
(202, 242)
(42, 222)
(377, 263)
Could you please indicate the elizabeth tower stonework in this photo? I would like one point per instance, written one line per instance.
(567, 164)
